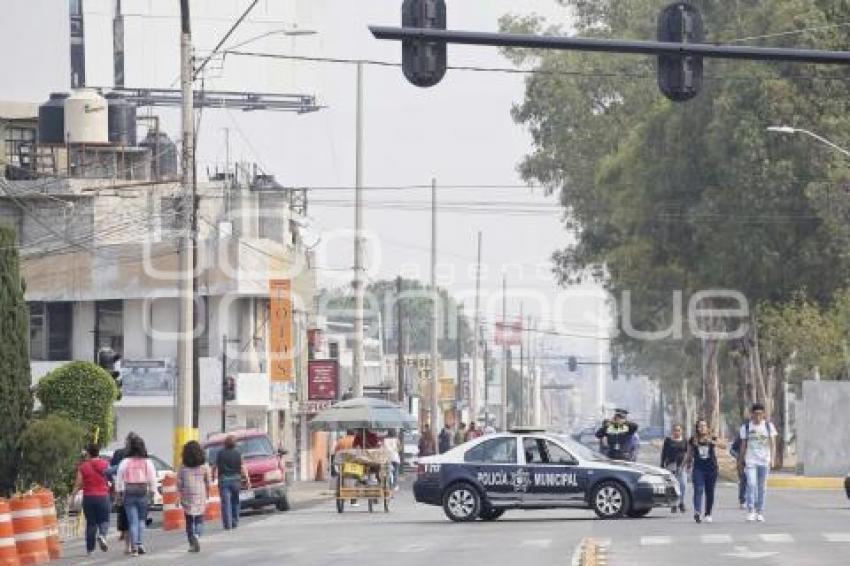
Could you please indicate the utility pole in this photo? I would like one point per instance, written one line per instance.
(435, 354)
(183, 425)
(399, 315)
(504, 353)
(520, 418)
(459, 384)
(473, 386)
(486, 385)
(223, 382)
(357, 283)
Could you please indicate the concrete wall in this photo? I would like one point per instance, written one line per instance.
(823, 442)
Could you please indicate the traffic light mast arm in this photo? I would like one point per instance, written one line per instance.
(613, 45)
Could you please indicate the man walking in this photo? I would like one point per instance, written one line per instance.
(758, 439)
(444, 442)
(460, 435)
(427, 446)
(230, 471)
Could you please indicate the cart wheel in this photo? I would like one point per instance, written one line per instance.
(386, 504)
(371, 505)
(340, 505)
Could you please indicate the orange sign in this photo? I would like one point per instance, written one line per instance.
(447, 389)
(281, 366)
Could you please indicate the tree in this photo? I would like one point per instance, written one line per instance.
(83, 392)
(15, 379)
(50, 449)
(666, 197)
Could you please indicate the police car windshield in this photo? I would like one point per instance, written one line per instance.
(579, 450)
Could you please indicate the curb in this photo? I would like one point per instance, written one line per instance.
(802, 482)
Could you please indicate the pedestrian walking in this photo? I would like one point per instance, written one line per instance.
(91, 480)
(121, 523)
(230, 471)
(735, 452)
(758, 440)
(427, 446)
(391, 444)
(616, 434)
(445, 439)
(473, 432)
(701, 460)
(135, 483)
(673, 454)
(193, 483)
(460, 435)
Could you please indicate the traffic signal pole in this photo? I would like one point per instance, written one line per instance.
(613, 45)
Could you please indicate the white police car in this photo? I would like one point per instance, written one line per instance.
(535, 470)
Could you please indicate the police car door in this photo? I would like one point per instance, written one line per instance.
(554, 475)
(494, 464)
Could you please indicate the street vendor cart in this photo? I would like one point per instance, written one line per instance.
(363, 474)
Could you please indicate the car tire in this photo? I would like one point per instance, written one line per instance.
(610, 500)
(491, 514)
(282, 504)
(638, 513)
(462, 503)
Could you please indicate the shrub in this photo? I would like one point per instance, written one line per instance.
(83, 392)
(15, 379)
(50, 453)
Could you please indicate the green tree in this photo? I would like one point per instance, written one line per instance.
(15, 379)
(50, 449)
(83, 392)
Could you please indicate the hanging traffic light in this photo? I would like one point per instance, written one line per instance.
(423, 62)
(229, 388)
(680, 76)
(108, 359)
(615, 368)
(572, 363)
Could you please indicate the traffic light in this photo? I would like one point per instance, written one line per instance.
(423, 62)
(229, 390)
(572, 363)
(108, 359)
(680, 76)
(615, 368)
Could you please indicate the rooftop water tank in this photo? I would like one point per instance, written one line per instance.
(86, 117)
(51, 119)
(164, 161)
(122, 119)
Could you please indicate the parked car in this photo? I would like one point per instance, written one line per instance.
(265, 465)
(162, 468)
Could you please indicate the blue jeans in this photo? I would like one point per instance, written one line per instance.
(96, 509)
(230, 503)
(136, 507)
(682, 477)
(742, 486)
(705, 481)
(756, 487)
(194, 526)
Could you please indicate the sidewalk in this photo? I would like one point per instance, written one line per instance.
(305, 494)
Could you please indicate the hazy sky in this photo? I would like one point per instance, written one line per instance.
(459, 132)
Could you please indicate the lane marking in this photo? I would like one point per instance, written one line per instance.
(655, 541)
(411, 548)
(716, 539)
(777, 537)
(537, 543)
(837, 537)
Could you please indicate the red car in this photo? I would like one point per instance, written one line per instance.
(264, 464)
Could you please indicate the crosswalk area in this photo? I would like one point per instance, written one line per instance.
(725, 538)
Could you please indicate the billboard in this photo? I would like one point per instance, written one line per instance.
(281, 363)
(322, 380)
(148, 378)
(508, 334)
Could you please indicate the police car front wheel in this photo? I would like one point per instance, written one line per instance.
(610, 500)
(462, 503)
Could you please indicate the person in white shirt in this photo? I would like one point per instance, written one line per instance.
(135, 483)
(758, 443)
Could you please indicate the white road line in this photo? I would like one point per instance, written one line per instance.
(655, 541)
(716, 539)
(537, 543)
(348, 549)
(411, 548)
(777, 537)
(837, 537)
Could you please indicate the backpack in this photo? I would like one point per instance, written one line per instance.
(136, 477)
(735, 449)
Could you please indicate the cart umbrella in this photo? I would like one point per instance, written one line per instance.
(363, 413)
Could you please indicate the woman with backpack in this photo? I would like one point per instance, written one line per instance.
(701, 460)
(135, 483)
(193, 483)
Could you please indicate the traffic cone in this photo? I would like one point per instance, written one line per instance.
(8, 553)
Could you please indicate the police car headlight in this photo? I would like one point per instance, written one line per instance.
(652, 480)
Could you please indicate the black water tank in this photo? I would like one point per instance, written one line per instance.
(165, 164)
(51, 119)
(122, 119)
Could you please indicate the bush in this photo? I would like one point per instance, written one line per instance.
(50, 453)
(15, 380)
(83, 392)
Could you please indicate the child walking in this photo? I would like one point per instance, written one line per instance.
(193, 483)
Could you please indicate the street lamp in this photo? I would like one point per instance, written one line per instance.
(791, 130)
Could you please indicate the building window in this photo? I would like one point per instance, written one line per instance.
(333, 350)
(109, 326)
(51, 331)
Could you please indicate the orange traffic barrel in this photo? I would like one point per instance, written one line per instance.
(51, 524)
(213, 510)
(172, 513)
(8, 553)
(30, 535)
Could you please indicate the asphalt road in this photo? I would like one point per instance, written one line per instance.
(803, 528)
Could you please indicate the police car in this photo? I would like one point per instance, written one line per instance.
(535, 470)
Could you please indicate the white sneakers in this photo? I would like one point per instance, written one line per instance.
(760, 518)
(751, 516)
(707, 518)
